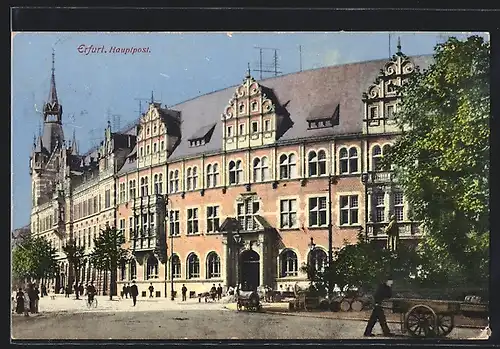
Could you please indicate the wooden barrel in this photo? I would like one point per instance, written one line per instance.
(345, 305)
(357, 305)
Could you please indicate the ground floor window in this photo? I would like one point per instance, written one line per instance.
(289, 264)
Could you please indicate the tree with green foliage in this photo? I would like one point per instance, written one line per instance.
(441, 159)
(108, 254)
(75, 255)
(34, 258)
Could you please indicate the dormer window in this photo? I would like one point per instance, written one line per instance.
(317, 124)
(254, 106)
(154, 129)
(197, 142)
(241, 108)
(255, 127)
(230, 131)
(373, 112)
(147, 131)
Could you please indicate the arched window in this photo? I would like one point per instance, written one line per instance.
(376, 157)
(133, 269)
(176, 267)
(195, 178)
(212, 175)
(353, 160)
(317, 163)
(160, 183)
(213, 265)
(348, 160)
(260, 169)
(152, 268)
(193, 266)
(235, 172)
(174, 181)
(123, 270)
(385, 149)
(288, 263)
(318, 259)
(156, 184)
(144, 186)
(189, 179)
(287, 166)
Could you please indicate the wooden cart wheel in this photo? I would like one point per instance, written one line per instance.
(345, 305)
(421, 321)
(357, 305)
(445, 324)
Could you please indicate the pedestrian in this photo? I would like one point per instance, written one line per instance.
(184, 292)
(81, 289)
(151, 289)
(134, 292)
(127, 290)
(384, 291)
(52, 293)
(26, 302)
(213, 292)
(68, 291)
(37, 298)
(20, 301)
(219, 292)
(43, 290)
(124, 291)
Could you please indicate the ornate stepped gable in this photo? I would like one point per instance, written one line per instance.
(382, 97)
(249, 90)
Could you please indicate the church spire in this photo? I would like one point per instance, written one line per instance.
(74, 144)
(399, 44)
(248, 70)
(52, 110)
(53, 91)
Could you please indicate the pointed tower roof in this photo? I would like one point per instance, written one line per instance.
(52, 107)
(53, 92)
(74, 144)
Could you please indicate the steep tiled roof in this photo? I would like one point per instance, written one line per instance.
(302, 94)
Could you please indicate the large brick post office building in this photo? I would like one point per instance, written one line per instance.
(264, 154)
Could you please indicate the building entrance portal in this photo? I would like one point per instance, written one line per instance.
(250, 270)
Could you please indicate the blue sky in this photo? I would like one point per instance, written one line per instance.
(179, 66)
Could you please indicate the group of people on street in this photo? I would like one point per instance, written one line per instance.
(132, 291)
(216, 292)
(26, 300)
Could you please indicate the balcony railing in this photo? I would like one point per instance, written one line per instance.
(406, 229)
(380, 177)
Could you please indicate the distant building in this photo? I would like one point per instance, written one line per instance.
(261, 152)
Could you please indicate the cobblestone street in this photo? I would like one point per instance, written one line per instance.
(65, 318)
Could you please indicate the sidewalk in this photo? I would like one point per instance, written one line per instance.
(283, 309)
(71, 305)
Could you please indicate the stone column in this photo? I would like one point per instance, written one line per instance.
(263, 260)
(226, 260)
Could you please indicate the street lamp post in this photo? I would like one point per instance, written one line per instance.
(330, 234)
(364, 179)
(312, 266)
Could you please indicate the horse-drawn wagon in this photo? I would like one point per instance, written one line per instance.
(430, 318)
(248, 300)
